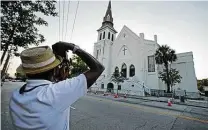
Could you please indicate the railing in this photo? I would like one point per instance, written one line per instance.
(142, 86)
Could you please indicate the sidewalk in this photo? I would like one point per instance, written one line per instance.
(154, 104)
(188, 102)
(159, 102)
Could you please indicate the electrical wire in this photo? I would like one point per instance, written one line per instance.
(67, 19)
(59, 20)
(63, 20)
(74, 21)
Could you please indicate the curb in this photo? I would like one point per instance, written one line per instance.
(157, 101)
(152, 106)
(166, 102)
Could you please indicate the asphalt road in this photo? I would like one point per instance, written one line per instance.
(93, 113)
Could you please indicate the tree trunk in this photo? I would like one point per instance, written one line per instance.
(4, 53)
(5, 66)
(7, 44)
(168, 79)
(117, 89)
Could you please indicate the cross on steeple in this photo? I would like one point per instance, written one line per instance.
(124, 50)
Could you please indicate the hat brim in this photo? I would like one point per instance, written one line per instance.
(42, 69)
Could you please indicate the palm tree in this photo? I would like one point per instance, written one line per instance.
(165, 56)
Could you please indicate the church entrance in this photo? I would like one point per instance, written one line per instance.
(110, 87)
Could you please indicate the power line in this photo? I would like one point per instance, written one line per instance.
(59, 19)
(63, 20)
(67, 19)
(74, 21)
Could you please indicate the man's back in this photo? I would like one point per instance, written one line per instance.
(40, 108)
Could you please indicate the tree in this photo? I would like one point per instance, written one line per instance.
(165, 56)
(117, 77)
(205, 82)
(19, 20)
(78, 66)
(174, 77)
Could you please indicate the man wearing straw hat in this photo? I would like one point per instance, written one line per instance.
(43, 103)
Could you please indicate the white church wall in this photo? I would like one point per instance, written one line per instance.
(151, 78)
(125, 42)
(185, 66)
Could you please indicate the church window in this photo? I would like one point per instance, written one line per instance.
(151, 63)
(97, 54)
(100, 36)
(132, 71)
(104, 35)
(116, 69)
(108, 35)
(119, 87)
(108, 17)
(103, 50)
(102, 86)
(123, 70)
(124, 35)
(112, 38)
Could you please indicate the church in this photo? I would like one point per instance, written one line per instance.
(133, 55)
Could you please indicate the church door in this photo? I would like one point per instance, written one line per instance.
(110, 87)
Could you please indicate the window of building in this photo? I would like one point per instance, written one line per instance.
(119, 87)
(108, 35)
(131, 71)
(100, 36)
(103, 50)
(112, 38)
(123, 70)
(97, 54)
(102, 86)
(151, 63)
(116, 69)
(104, 35)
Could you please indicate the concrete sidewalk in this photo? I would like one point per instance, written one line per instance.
(160, 102)
(154, 104)
(188, 102)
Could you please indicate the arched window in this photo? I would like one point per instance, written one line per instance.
(116, 69)
(108, 35)
(112, 38)
(102, 86)
(123, 70)
(131, 70)
(104, 35)
(100, 36)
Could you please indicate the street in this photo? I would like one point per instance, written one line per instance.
(94, 113)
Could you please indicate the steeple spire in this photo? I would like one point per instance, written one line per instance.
(108, 15)
(108, 18)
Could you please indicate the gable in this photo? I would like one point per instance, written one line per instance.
(128, 32)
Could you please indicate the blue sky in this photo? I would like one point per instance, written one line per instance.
(181, 25)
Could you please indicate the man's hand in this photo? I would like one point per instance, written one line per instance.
(60, 48)
(96, 68)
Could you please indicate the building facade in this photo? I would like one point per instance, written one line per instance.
(134, 56)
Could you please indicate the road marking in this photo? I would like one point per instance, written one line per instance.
(147, 109)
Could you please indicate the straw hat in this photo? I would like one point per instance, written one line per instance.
(38, 59)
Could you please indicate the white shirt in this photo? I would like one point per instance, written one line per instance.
(46, 107)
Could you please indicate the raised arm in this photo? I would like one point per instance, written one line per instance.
(96, 68)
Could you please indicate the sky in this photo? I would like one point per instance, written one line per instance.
(181, 25)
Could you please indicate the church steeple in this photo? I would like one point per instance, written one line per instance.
(108, 19)
(108, 15)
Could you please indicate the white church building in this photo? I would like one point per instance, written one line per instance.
(134, 56)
